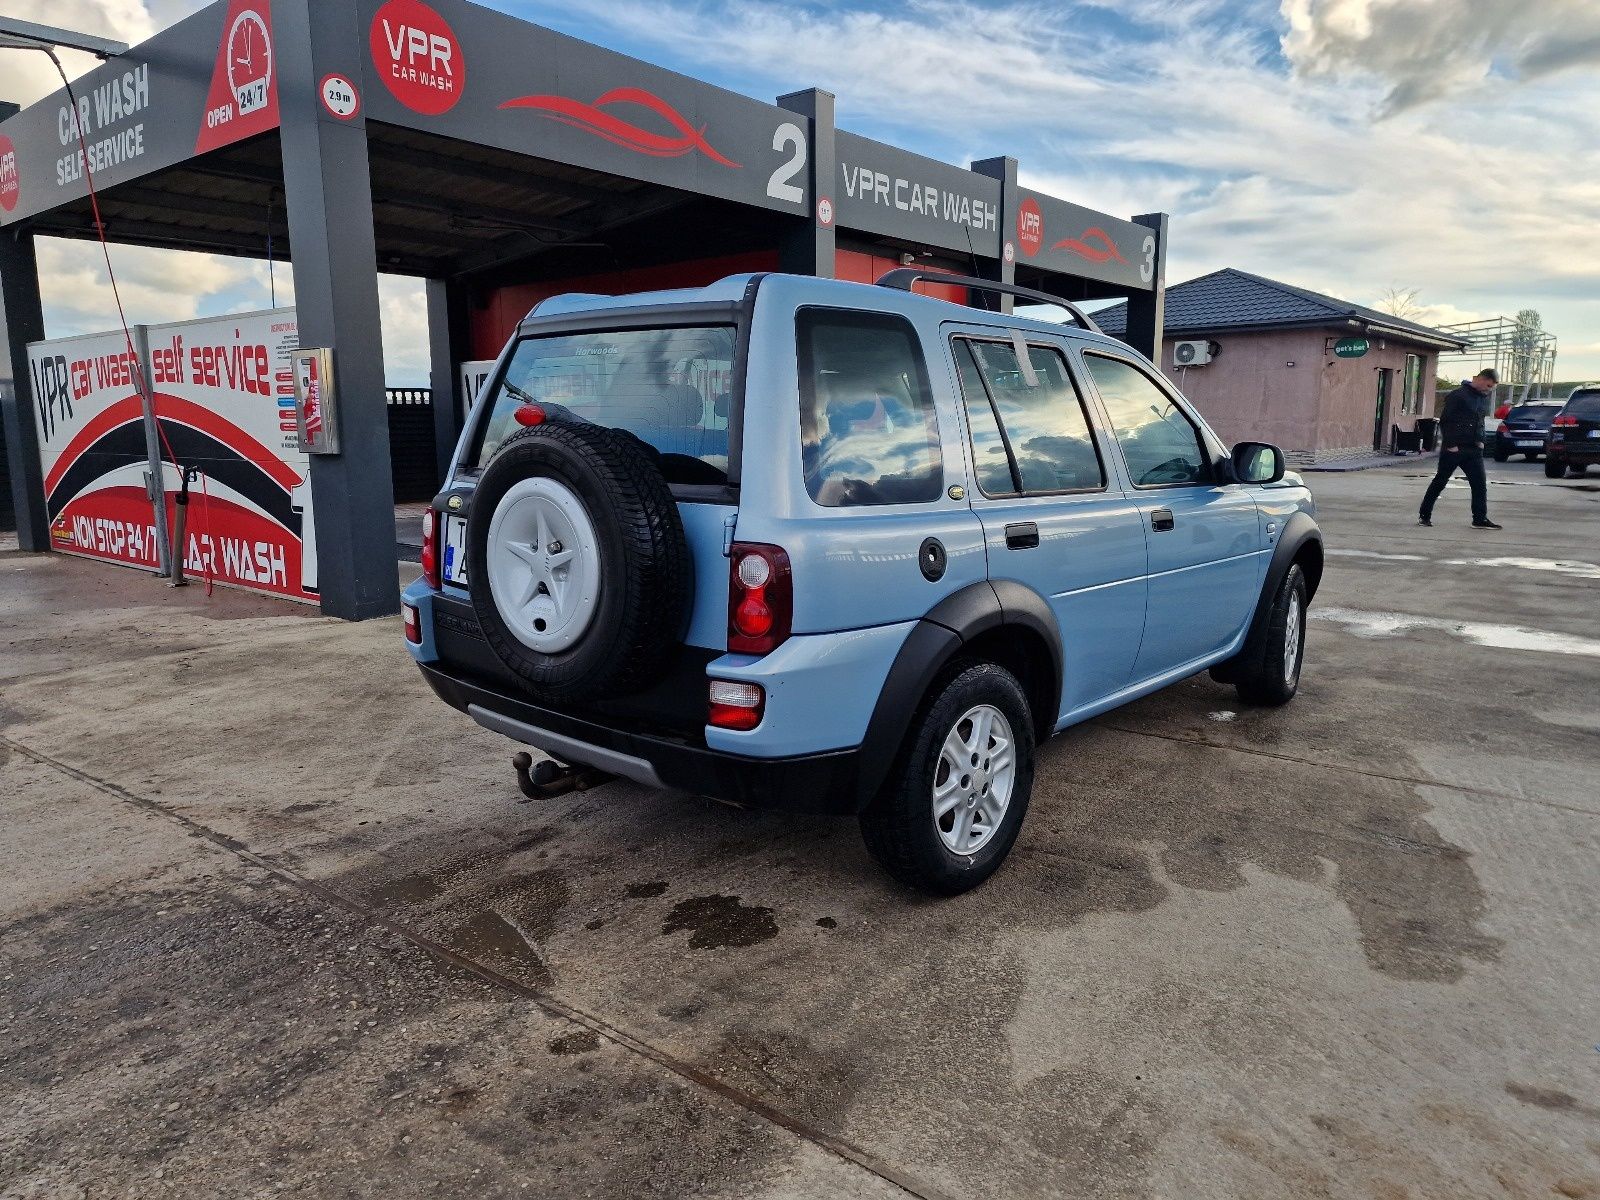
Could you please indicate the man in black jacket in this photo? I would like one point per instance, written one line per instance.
(1461, 434)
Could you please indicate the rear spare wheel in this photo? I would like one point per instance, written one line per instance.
(579, 569)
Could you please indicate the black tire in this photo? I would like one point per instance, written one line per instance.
(645, 568)
(1500, 455)
(1269, 681)
(1554, 468)
(1577, 469)
(899, 827)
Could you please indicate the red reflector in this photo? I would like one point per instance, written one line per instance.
(413, 620)
(753, 618)
(1502, 428)
(735, 705)
(430, 554)
(529, 415)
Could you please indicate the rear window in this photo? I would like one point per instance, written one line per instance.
(1585, 405)
(1542, 413)
(868, 433)
(670, 388)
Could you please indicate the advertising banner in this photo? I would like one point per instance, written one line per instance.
(482, 76)
(224, 397)
(92, 449)
(208, 81)
(882, 189)
(1074, 240)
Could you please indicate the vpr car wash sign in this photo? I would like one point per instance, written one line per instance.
(224, 397)
(416, 54)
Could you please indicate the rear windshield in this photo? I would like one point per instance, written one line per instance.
(1584, 404)
(1542, 413)
(670, 388)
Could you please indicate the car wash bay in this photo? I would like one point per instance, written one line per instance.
(500, 162)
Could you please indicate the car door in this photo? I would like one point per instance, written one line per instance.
(1206, 547)
(1054, 518)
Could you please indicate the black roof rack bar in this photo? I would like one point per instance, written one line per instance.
(903, 278)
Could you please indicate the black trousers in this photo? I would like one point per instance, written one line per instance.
(1470, 461)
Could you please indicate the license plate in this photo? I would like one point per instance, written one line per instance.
(1529, 443)
(1594, 433)
(455, 551)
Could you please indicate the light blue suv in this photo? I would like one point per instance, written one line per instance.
(803, 544)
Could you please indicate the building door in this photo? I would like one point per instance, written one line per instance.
(1380, 419)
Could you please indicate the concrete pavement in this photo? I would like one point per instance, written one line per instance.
(272, 922)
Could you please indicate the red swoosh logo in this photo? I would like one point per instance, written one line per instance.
(1096, 245)
(592, 118)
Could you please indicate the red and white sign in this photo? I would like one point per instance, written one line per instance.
(824, 212)
(418, 56)
(224, 387)
(243, 100)
(220, 386)
(1030, 227)
(10, 175)
(92, 449)
(339, 97)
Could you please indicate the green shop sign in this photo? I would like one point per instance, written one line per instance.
(1351, 347)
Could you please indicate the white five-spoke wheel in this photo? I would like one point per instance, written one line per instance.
(544, 564)
(973, 781)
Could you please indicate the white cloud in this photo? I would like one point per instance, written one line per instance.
(156, 286)
(1424, 49)
(403, 304)
(29, 75)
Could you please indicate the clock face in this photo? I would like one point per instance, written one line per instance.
(249, 61)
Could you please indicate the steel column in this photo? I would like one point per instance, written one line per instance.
(21, 322)
(809, 249)
(328, 194)
(1147, 311)
(1003, 266)
(448, 349)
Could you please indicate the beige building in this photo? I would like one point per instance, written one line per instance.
(1320, 377)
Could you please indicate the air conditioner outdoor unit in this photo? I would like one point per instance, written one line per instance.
(1192, 354)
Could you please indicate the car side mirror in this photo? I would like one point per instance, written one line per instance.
(1257, 462)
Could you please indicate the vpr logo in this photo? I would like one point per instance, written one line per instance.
(10, 180)
(418, 57)
(1030, 227)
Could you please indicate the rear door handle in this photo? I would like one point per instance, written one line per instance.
(1161, 520)
(1024, 535)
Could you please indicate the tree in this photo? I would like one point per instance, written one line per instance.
(1527, 345)
(1401, 302)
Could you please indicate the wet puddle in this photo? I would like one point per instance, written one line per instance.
(1498, 637)
(1554, 566)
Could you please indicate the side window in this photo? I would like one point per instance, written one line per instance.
(867, 426)
(1044, 424)
(1161, 446)
(990, 459)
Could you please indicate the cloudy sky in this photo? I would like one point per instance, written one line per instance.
(1344, 145)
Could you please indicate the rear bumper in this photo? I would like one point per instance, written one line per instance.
(1509, 443)
(1585, 451)
(811, 783)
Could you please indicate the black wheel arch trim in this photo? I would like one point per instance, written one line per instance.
(936, 639)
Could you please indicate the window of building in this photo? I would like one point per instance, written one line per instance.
(1411, 396)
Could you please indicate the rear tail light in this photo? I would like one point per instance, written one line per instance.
(1502, 428)
(735, 705)
(760, 598)
(430, 548)
(1564, 421)
(413, 620)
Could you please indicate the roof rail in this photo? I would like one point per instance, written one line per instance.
(902, 279)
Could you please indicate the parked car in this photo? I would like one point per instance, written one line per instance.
(1523, 430)
(1574, 438)
(820, 546)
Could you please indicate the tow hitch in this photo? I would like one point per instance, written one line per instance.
(547, 778)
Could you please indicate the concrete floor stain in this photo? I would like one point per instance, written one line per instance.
(720, 922)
